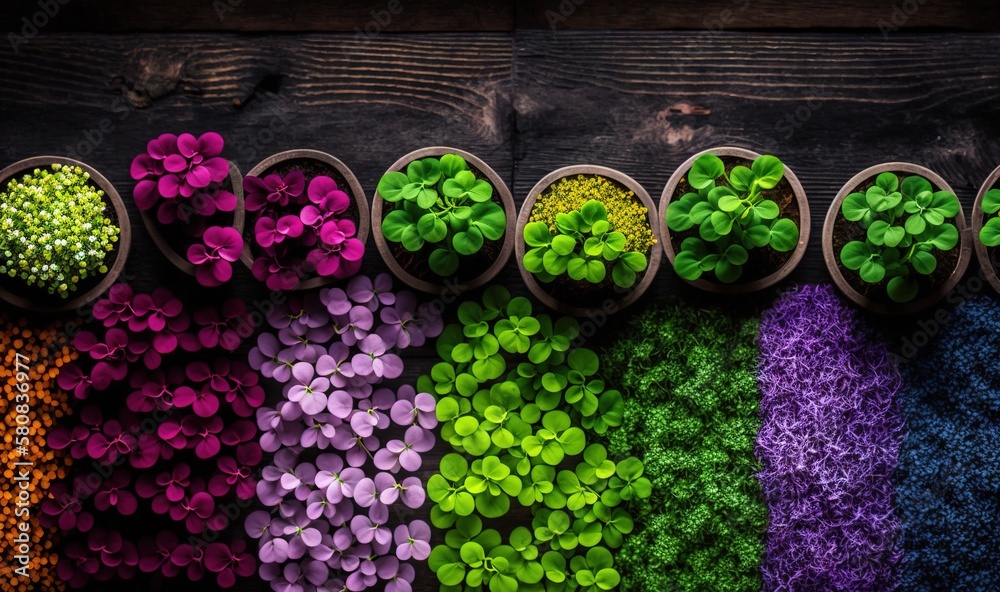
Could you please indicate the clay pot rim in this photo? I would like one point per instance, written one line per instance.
(630, 296)
(124, 237)
(357, 194)
(178, 260)
(978, 220)
(767, 281)
(830, 258)
(510, 212)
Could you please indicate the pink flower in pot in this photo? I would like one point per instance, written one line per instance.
(213, 259)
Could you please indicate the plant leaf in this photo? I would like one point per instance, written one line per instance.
(390, 186)
(784, 235)
(705, 170)
(902, 289)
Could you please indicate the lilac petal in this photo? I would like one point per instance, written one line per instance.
(389, 496)
(340, 404)
(386, 460)
(379, 514)
(257, 523)
(363, 364)
(410, 460)
(413, 494)
(350, 478)
(402, 413)
(303, 372)
(363, 423)
(392, 366)
(274, 551)
(316, 572)
(313, 403)
(311, 537)
(387, 567)
(360, 289)
(419, 439)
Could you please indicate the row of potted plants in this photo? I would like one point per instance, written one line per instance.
(729, 220)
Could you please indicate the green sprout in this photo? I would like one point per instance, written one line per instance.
(444, 205)
(733, 215)
(905, 222)
(584, 247)
(54, 230)
(990, 233)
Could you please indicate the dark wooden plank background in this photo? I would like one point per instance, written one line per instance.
(500, 82)
(409, 16)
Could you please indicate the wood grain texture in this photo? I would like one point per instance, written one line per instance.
(526, 103)
(976, 15)
(351, 16)
(410, 16)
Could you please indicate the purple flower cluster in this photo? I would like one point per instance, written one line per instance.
(299, 230)
(830, 440)
(185, 428)
(330, 517)
(182, 178)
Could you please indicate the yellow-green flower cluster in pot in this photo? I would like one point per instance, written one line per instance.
(55, 230)
(587, 227)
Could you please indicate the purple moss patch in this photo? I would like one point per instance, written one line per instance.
(829, 444)
(948, 481)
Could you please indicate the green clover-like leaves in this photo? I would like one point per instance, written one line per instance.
(514, 400)
(585, 247)
(904, 222)
(441, 203)
(731, 215)
(990, 233)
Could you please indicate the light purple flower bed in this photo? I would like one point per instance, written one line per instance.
(342, 487)
(830, 439)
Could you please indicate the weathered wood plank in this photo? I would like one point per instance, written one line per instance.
(716, 15)
(359, 17)
(24, 17)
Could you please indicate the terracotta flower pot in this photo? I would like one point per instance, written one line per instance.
(881, 304)
(39, 301)
(179, 259)
(989, 257)
(612, 303)
(321, 163)
(801, 219)
(461, 281)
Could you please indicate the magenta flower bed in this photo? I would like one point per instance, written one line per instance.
(830, 440)
(165, 440)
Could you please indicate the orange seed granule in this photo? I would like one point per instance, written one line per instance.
(44, 351)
